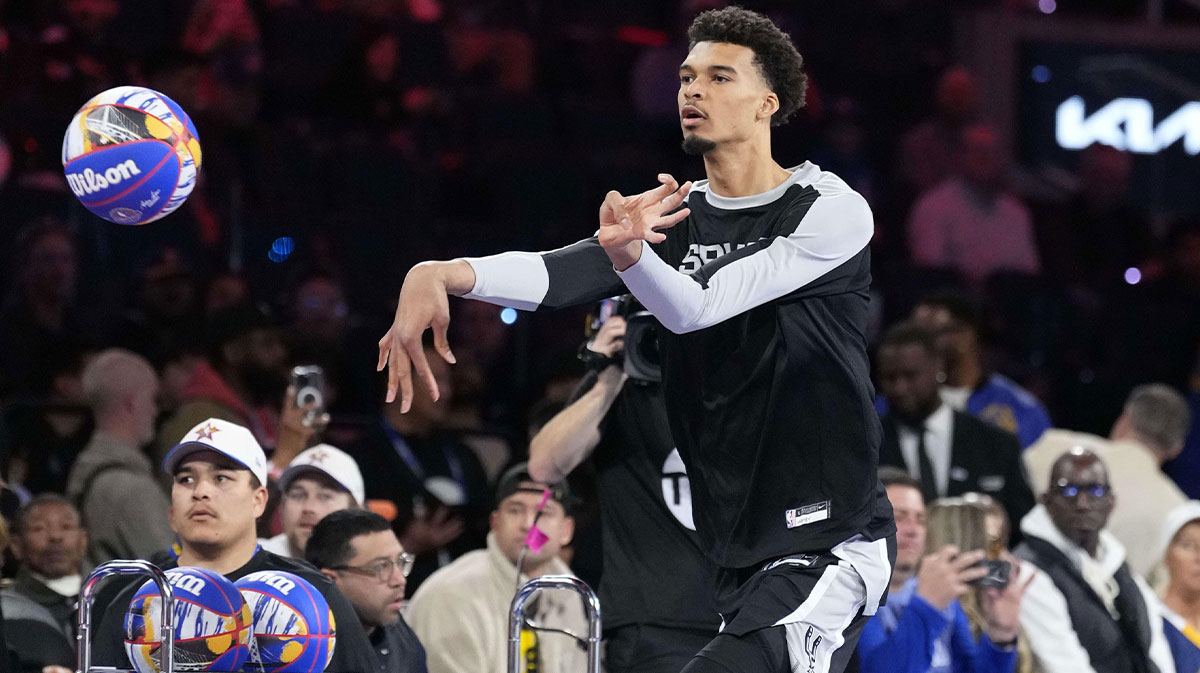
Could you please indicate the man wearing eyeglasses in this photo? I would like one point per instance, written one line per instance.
(319, 481)
(357, 549)
(1085, 612)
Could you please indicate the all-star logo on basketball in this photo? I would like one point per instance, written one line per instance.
(131, 155)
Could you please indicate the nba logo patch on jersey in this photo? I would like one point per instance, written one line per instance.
(807, 514)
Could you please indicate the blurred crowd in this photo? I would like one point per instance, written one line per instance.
(345, 140)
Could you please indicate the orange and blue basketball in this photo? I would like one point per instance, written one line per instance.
(293, 626)
(212, 623)
(131, 155)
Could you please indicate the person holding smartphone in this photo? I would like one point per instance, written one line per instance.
(923, 628)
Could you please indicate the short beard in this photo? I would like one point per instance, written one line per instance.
(697, 146)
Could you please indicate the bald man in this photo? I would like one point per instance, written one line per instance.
(112, 481)
(1085, 612)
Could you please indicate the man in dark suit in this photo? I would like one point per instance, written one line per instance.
(950, 452)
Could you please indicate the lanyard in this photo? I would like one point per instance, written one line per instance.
(414, 465)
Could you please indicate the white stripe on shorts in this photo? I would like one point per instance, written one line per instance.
(814, 630)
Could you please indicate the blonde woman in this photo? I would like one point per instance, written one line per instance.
(977, 522)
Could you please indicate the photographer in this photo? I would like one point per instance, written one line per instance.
(923, 628)
(654, 590)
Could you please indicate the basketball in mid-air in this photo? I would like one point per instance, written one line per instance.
(131, 155)
(293, 626)
(212, 623)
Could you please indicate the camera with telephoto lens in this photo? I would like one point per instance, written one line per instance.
(640, 356)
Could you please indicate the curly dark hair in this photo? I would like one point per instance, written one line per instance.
(774, 54)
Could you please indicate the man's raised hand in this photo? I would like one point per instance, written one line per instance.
(626, 221)
(423, 305)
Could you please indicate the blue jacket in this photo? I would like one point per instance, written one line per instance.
(908, 635)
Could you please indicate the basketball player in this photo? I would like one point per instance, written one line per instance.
(763, 282)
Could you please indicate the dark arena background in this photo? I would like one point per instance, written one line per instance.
(345, 141)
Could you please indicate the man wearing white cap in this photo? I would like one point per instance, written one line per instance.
(320, 480)
(218, 473)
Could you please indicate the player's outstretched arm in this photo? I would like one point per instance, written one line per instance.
(423, 305)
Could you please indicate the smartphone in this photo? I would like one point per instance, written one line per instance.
(309, 383)
(998, 570)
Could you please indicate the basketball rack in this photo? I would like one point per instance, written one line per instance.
(516, 618)
(166, 653)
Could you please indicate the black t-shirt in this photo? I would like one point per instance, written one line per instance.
(765, 370)
(654, 569)
(352, 652)
(398, 650)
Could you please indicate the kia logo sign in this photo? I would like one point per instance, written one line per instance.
(1127, 124)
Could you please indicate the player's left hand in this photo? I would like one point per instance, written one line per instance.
(626, 221)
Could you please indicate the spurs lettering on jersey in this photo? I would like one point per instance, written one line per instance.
(677, 490)
(699, 254)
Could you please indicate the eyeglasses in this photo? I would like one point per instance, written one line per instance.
(1068, 490)
(382, 570)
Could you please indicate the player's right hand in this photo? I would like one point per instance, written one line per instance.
(423, 305)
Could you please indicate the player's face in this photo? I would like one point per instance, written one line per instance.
(307, 500)
(908, 379)
(213, 502)
(722, 97)
(376, 602)
(909, 509)
(514, 517)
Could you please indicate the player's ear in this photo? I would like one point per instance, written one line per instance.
(333, 577)
(768, 107)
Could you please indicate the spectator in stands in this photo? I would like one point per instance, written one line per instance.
(929, 152)
(969, 222)
(1149, 432)
(49, 541)
(219, 471)
(1088, 241)
(242, 381)
(40, 318)
(461, 612)
(1185, 468)
(922, 627)
(949, 451)
(969, 383)
(121, 388)
(1179, 551)
(31, 640)
(436, 481)
(977, 521)
(358, 550)
(1086, 611)
(319, 481)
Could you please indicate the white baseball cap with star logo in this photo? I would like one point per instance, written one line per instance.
(223, 437)
(330, 461)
